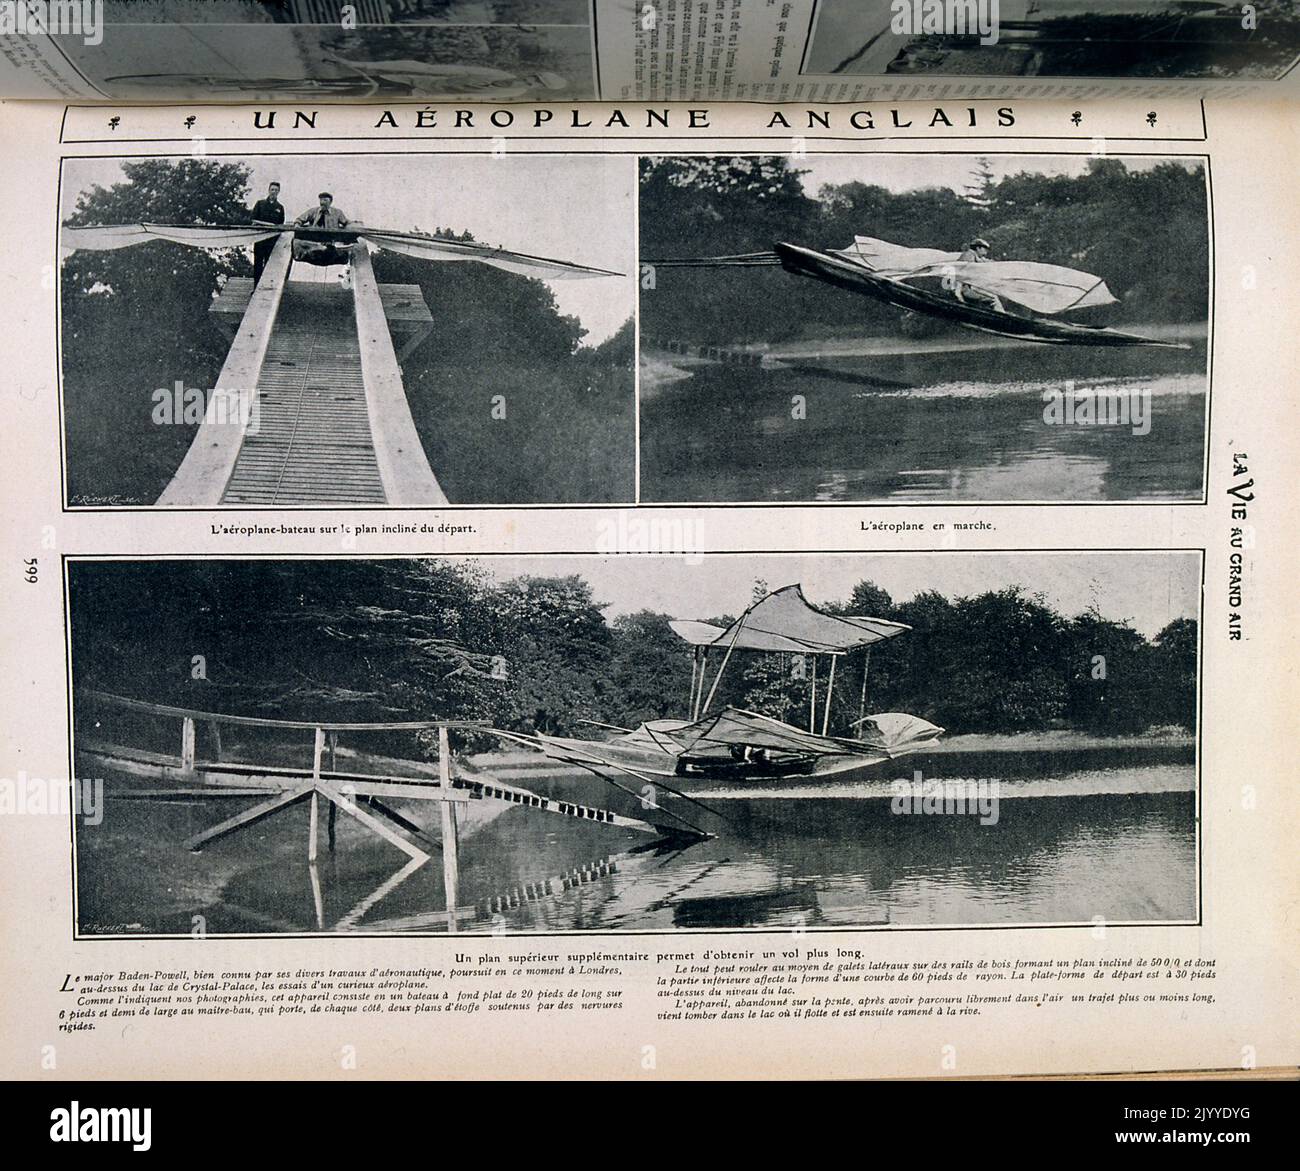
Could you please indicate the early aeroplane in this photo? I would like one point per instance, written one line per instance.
(315, 363)
(105, 237)
(732, 744)
(929, 281)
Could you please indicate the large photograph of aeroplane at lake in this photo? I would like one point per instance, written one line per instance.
(924, 327)
(636, 743)
(299, 331)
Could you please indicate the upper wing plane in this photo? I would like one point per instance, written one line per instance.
(106, 237)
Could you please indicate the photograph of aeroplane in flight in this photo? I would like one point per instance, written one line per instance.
(923, 327)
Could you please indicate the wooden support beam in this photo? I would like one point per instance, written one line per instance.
(403, 466)
(317, 895)
(248, 816)
(413, 340)
(264, 778)
(345, 802)
(311, 827)
(318, 749)
(164, 709)
(396, 818)
(187, 744)
(201, 479)
(450, 844)
(333, 741)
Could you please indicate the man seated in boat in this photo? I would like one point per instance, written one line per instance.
(325, 217)
(976, 252)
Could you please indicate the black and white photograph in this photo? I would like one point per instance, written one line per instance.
(924, 327)
(1119, 39)
(205, 54)
(634, 743)
(318, 330)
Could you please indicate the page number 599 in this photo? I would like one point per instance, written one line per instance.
(30, 571)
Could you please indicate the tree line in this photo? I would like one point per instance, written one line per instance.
(404, 639)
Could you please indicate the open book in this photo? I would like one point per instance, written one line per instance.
(649, 539)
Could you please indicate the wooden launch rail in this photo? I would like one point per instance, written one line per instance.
(363, 796)
(310, 406)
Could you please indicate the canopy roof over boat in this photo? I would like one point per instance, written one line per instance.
(785, 620)
(108, 237)
(1044, 288)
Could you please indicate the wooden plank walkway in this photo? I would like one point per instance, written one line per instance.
(313, 443)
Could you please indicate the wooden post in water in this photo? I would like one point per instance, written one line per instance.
(334, 809)
(317, 749)
(187, 744)
(450, 852)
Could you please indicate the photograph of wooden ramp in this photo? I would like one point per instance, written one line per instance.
(348, 364)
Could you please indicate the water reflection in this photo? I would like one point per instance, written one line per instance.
(1079, 834)
(902, 427)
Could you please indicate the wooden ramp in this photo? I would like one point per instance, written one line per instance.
(310, 440)
(364, 796)
(309, 407)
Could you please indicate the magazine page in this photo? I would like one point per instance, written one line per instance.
(649, 593)
(665, 50)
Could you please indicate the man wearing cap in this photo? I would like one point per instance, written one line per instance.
(976, 252)
(326, 217)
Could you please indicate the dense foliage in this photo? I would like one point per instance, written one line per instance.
(1143, 232)
(410, 639)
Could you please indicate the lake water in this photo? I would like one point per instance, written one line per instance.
(1079, 834)
(963, 425)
